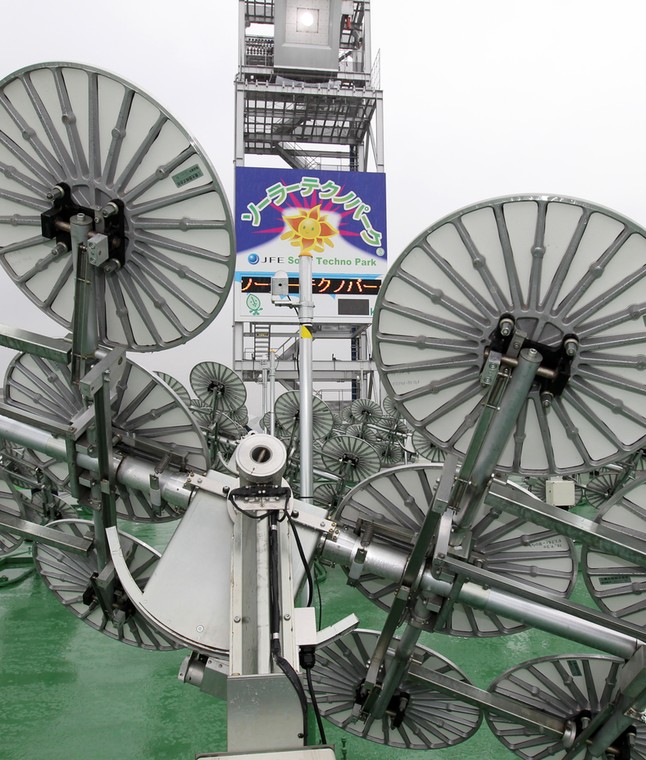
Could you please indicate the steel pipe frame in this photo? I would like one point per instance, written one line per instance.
(384, 561)
(503, 403)
(501, 496)
(497, 421)
(599, 632)
(627, 644)
(129, 471)
(390, 563)
(486, 700)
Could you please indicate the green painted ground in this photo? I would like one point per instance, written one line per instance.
(71, 693)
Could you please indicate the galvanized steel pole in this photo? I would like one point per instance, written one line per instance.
(305, 319)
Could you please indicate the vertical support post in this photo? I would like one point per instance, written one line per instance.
(238, 345)
(263, 709)
(239, 117)
(379, 132)
(84, 322)
(242, 25)
(85, 341)
(362, 164)
(489, 441)
(306, 319)
(265, 397)
(272, 391)
(107, 517)
(263, 635)
(354, 355)
(239, 112)
(367, 37)
(363, 358)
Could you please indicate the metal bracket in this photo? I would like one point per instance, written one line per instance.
(145, 448)
(491, 368)
(196, 480)
(444, 491)
(92, 381)
(356, 568)
(81, 422)
(260, 496)
(108, 222)
(442, 546)
(155, 493)
(322, 525)
(337, 630)
(209, 674)
(517, 343)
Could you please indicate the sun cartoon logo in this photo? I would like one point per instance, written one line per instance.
(309, 230)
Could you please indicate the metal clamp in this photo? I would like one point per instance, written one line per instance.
(98, 249)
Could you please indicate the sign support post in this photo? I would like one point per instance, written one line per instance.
(306, 326)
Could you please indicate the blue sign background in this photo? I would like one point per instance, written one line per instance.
(360, 200)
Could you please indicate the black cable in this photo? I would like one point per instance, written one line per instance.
(295, 681)
(301, 554)
(274, 581)
(315, 707)
(320, 598)
(274, 620)
(274, 599)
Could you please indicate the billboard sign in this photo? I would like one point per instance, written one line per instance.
(338, 218)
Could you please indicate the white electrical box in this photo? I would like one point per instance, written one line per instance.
(560, 493)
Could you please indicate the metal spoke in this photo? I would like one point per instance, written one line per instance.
(153, 133)
(63, 157)
(29, 134)
(145, 410)
(68, 578)
(394, 504)
(166, 288)
(559, 270)
(616, 584)
(70, 121)
(432, 720)
(160, 174)
(564, 686)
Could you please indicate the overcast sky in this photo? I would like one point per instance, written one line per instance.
(481, 99)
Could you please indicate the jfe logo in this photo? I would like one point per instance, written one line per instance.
(254, 259)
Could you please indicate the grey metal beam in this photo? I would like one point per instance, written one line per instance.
(492, 703)
(131, 472)
(44, 535)
(601, 537)
(58, 350)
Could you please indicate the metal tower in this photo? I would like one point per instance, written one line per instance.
(307, 93)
